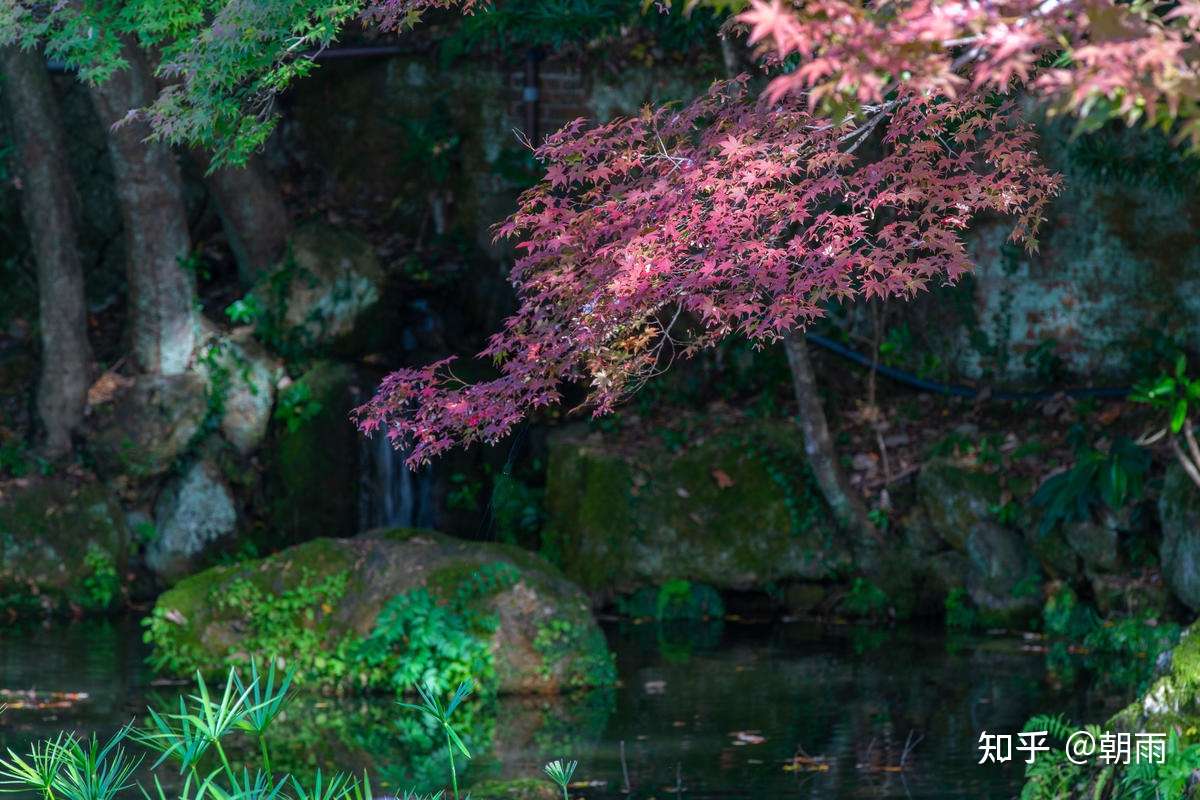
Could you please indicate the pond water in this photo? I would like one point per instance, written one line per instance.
(710, 711)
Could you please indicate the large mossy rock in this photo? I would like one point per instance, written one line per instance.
(1179, 515)
(63, 546)
(735, 510)
(324, 606)
(954, 498)
(1004, 579)
(312, 470)
(145, 428)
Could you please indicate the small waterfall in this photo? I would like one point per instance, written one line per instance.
(390, 494)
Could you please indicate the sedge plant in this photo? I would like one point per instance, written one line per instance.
(560, 771)
(431, 705)
(193, 739)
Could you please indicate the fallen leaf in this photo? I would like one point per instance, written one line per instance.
(722, 478)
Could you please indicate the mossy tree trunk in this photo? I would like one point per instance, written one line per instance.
(844, 501)
(49, 206)
(252, 214)
(149, 187)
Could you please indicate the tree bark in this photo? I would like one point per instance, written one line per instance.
(49, 207)
(252, 214)
(162, 297)
(844, 501)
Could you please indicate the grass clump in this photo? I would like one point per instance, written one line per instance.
(198, 740)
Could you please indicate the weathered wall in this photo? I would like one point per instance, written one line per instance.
(1119, 260)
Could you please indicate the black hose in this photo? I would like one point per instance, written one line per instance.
(958, 390)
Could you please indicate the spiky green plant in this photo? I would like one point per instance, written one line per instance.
(37, 770)
(264, 704)
(337, 787)
(431, 705)
(90, 770)
(560, 771)
(72, 768)
(192, 789)
(174, 736)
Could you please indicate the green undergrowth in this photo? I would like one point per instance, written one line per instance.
(674, 600)
(1054, 775)
(429, 635)
(1120, 651)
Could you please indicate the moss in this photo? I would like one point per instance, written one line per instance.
(955, 498)
(620, 516)
(590, 513)
(1173, 701)
(383, 612)
(62, 545)
(280, 605)
(312, 472)
(581, 648)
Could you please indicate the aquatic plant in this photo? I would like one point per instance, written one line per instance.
(431, 704)
(560, 772)
(196, 739)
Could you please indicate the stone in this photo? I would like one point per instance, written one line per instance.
(1118, 595)
(1004, 579)
(1095, 541)
(955, 498)
(1179, 516)
(1055, 552)
(241, 377)
(194, 514)
(148, 426)
(311, 483)
(330, 281)
(315, 604)
(64, 545)
(736, 510)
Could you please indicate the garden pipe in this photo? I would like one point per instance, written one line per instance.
(958, 390)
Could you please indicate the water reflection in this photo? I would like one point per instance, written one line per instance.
(714, 710)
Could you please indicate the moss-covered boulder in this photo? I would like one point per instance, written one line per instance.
(1179, 514)
(146, 427)
(63, 547)
(1004, 579)
(734, 510)
(1173, 699)
(312, 463)
(385, 610)
(952, 498)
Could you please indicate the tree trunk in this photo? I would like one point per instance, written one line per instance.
(162, 297)
(252, 213)
(49, 206)
(844, 501)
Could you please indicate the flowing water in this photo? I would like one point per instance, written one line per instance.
(712, 711)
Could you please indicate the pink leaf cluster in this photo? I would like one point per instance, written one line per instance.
(667, 232)
(1133, 58)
